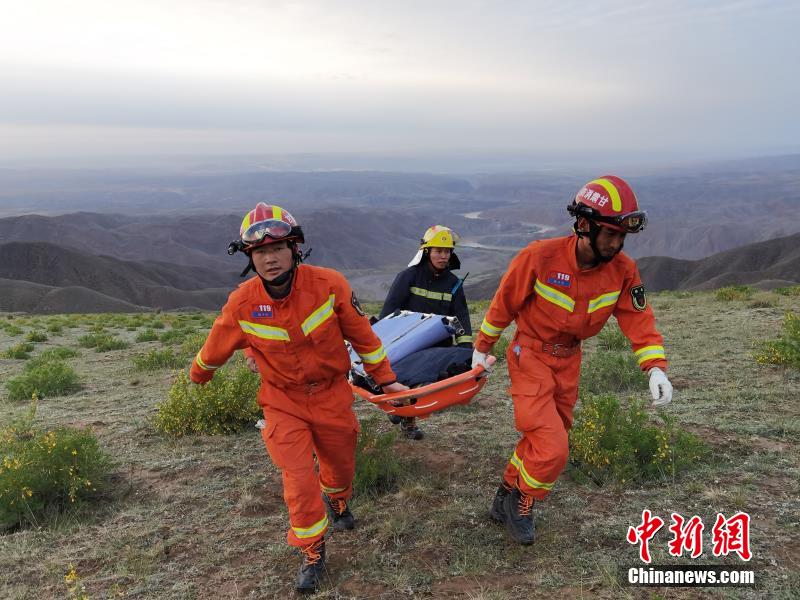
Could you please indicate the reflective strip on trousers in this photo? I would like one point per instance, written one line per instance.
(649, 353)
(265, 332)
(307, 532)
(330, 490)
(554, 296)
(319, 316)
(516, 461)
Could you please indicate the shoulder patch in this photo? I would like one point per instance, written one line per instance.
(357, 305)
(638, 297)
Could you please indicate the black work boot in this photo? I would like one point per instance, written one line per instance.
(409, 428)
(339, 513)
(395, 419)
(312, 567)
(497, 512)
(518, 516)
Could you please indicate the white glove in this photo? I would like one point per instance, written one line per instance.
(660, 387)
(481, 358)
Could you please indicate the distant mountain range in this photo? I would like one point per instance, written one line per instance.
(765, 264)
(47, 278)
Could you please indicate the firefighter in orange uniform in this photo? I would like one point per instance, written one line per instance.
(561, 291)
(294, 319)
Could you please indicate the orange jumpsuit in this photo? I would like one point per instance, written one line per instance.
(555, 306)
(298, 345)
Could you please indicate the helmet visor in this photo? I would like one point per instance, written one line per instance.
(272, 228)
(633, 222)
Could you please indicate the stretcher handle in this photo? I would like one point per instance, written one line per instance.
(415, 393)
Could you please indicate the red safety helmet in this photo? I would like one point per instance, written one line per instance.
(265, 224)
(609, 201)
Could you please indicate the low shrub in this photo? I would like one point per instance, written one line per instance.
(36, 336)
(734, 292)
(224, 405)
(378, 467)
(158, 359)
(58, 353)
(147, 335)
(102, 342)
(13, 330)
(45, 471)
(192, 344)
(43, 378)
(20, 351)
(784, 351)
(610, 441)
(612, 338)
(611, 371)
(55, 328)
(175, 335)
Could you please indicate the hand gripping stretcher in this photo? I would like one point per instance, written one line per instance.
(410, 339)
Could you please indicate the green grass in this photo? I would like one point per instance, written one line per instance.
(21, 351)
(158, 359)
(102, 342)
(203, 516)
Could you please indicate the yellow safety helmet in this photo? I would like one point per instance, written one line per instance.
(439, 236)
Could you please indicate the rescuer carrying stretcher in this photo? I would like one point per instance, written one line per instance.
(294, 318)
(561, 291)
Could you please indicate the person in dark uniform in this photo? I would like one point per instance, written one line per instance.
(429, 285)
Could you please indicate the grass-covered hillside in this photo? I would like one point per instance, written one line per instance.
(202, 516)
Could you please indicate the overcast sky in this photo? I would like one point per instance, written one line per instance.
(86, 77)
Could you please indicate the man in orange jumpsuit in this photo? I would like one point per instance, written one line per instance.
(559, 292)
(294, 319)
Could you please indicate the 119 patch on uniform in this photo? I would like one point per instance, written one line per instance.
(261, 311)
(639, 298)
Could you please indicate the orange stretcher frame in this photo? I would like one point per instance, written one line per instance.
(422, 401)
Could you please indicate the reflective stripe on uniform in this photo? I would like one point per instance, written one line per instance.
(319, 316)
(608, 299)
(317, 528)
(463, 339)
(554, 296)
(431, 295)
(516, 462)
(649, 353)
(330, 490)
(373, 358)
(490, 329)
(204, 366)
(265, 332)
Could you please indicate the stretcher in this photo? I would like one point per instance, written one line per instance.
(403, 334)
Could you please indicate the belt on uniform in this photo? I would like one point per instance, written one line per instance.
(309, 387)
(557, 350)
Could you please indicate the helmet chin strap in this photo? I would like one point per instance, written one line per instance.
(594, 231)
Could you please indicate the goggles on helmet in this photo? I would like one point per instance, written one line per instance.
(633, 222)
(271, 228)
